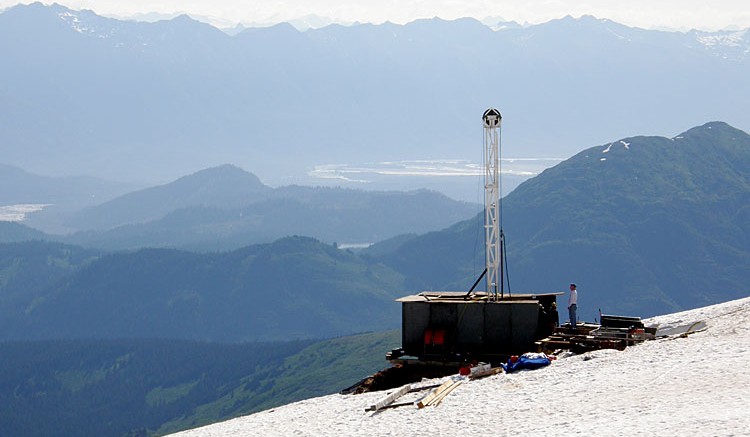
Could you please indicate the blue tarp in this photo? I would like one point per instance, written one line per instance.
(527, 361)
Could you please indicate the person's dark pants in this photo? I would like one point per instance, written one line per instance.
(572, 313)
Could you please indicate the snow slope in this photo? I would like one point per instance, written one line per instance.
(696, 385)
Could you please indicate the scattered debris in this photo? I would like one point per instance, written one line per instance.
(437, 395)
(389, 399)
(615, 332)
(490, 372)
(529, 361)
(398, 375)
(439, 398)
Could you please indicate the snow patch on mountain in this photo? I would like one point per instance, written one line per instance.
(730, 45)
(624, 143)
(731, 39)
(18, 213)
(88, 23)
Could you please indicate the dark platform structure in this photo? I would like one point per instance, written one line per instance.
(453, 327)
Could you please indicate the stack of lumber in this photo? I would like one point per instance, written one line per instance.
(436, 396)
(588, 337)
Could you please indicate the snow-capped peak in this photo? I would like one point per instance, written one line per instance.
(733, 45)
(728, 39)
(86, 22)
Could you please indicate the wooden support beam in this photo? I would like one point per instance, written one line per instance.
(389, 399)
(435, 402)
(423, 388)
(401, 404)
(427, 399)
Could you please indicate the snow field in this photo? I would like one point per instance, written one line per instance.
(697, 385)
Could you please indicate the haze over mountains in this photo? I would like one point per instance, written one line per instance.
(222, 208)
(644, 225)
(155, 101)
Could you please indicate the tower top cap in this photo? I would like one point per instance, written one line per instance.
(491, 118)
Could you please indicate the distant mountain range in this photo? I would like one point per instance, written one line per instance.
(221, 187)
(61, 195)
(74, 192)
(226, 207)
(155, 101)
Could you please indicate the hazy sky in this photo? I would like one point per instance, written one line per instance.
(674, 14)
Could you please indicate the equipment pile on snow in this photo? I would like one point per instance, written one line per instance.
(614, 332)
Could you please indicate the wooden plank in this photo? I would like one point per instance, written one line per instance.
(556, 344)
(427, 399)
(437, 399)
(389, 399)
(435, 402)
(423, 388)
(556, 341)
(401, 404)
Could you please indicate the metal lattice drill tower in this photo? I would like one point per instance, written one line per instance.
(493, 238)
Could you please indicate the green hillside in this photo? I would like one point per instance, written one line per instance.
(27, 270)
(294, 288)
(322, 368)
(113, 387)
(645, 225)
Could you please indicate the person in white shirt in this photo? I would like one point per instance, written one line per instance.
(573, 305)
